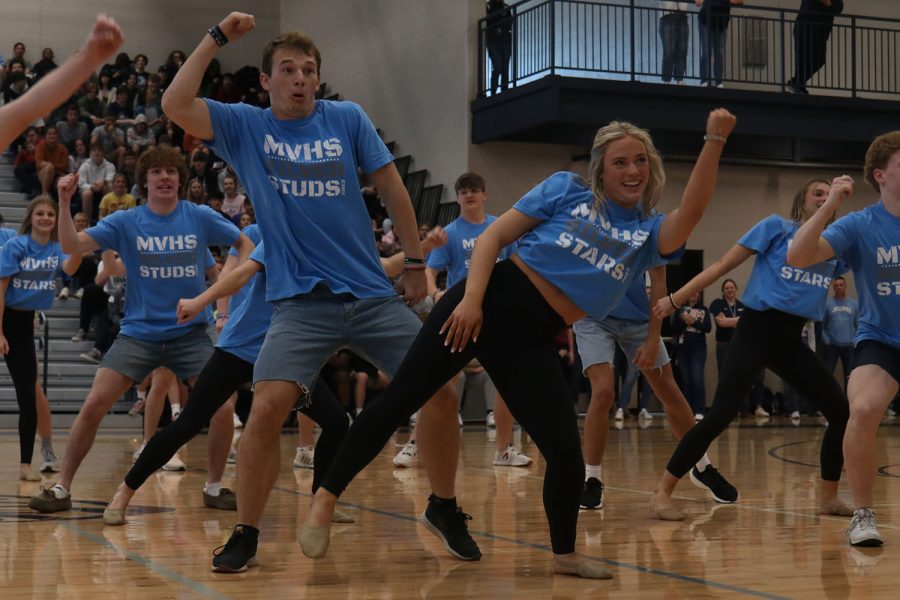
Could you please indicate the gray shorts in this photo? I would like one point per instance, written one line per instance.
(597, 340)
(185, 355)
(307, 329)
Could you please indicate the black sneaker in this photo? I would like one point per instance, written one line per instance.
(592, 494)
(238, 553)
(717, 486)
(450, 525)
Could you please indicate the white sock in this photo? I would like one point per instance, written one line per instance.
(703, 463)
(593, 471)
(212, 489)
(176, 408)
(59, 491)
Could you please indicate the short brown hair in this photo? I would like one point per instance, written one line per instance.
(294, 40)
(470, 181)
(879, 153)
(162, 155)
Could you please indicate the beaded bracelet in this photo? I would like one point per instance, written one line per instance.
(711, 137)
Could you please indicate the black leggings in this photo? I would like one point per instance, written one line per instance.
(769, 339)
(221, 377)
(18, 328)
(517, 349)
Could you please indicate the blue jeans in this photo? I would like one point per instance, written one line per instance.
(691, 362)
(712, 53)
(674, 34)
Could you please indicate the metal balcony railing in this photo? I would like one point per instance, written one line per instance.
(639, 40)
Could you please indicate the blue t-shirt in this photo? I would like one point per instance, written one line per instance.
(840, 322)
(775, 284)
(591, 256)
(32, 270)
(635, 305)
(6, 234)
(456, 254)
(246, 327)
(165, 259)
(301, 175)
(869, 241)
(252, 232)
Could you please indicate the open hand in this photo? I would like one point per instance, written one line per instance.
(464, 324)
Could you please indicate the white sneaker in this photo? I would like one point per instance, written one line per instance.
(760, 412)
(645, 414)
(511, 457)
(49, 461)
(862, 530)
(63, 293)
(698, 417)
(620, 415)
(174, 464)
(412, 419)
(176, 411)
(137, 453)
(237, 421)
(891, 412)
(489, 420)
(79, 293)
(407, 456)
(304, 457)
(795, 414)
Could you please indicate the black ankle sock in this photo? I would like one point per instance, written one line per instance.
(443, 503)
(248, 531)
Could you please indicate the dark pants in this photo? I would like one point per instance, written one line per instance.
(499, 51)
(691, 364)
(712, 53)
(221, 377)
(757, 392)
(674, 33)
(95, 307)
(18, 328)
(769, 339)
(844, 354)
(516, 347)
(26, 175)
(810, 50)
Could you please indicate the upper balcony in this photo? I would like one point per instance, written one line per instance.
(575, 65)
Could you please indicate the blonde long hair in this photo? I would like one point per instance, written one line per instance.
(608, 134)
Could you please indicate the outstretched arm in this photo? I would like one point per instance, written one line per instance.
(188, 308)
(734, 257)
(57, 86)
(808, 246)
(180, 101)
(678, 225)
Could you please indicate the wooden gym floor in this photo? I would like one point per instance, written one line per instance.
(771, 544)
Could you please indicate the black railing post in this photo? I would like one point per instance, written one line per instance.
(633, 58)
(552, 48)
(783, 53)
(482, 86)
(853, 57)
(514, 76)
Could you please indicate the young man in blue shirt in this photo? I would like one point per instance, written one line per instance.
(163, 245)
(298, 161)
(839, 328)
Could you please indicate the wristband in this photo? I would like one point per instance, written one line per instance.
(217, 35)
(413, 268)
(414, 261)
(672, 300)
(709, 137)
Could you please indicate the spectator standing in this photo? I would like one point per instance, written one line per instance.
(839, 328)
(499, 42)
(811, 32)
(674, 32)
(713, 18)
(690, 325)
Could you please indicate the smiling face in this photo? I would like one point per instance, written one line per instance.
(626, 171)
(162, 184)
(43, 219)
(293, 84)
(814, 198)
(729, 291)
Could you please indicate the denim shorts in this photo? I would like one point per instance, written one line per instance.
(597, 339)
(185, 355)
(307, 329)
